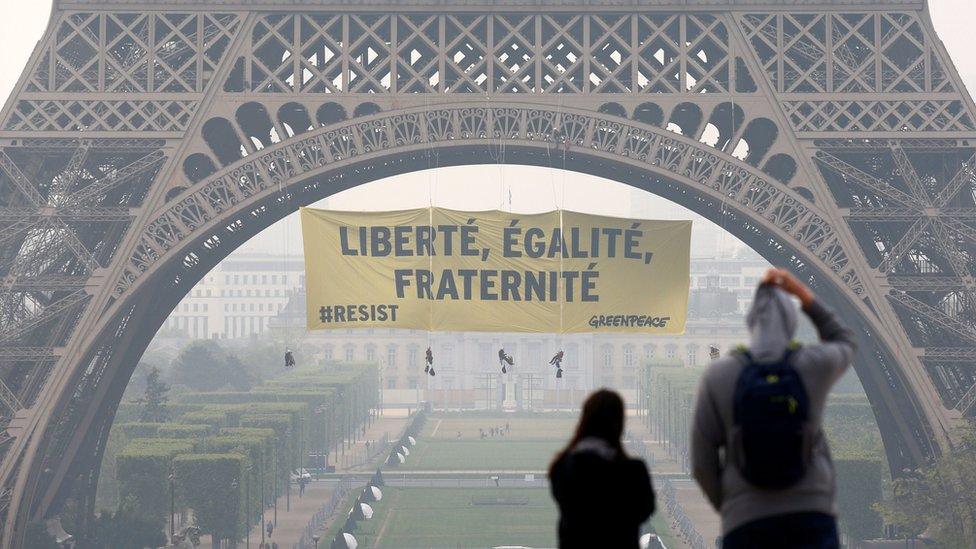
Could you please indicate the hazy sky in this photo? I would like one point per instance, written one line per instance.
(482, 187)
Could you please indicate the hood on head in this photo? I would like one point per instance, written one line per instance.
(772, 323)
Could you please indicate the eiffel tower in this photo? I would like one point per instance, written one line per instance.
(145, 141)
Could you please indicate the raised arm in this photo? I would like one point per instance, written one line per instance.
(837, 346)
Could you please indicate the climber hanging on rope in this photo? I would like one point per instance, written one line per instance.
(429, 359)
(289, 359)
(505, 360)
(557, 361)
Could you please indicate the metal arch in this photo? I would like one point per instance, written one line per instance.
(556, 131)
(267, 208)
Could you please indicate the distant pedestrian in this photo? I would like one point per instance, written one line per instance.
(459, 435)
(603, 495)
(762, 409)
(270, 528)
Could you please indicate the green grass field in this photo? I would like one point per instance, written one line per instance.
(415, 518)
(528, 445)
(477, 455)
(445, 518)
(522, 427)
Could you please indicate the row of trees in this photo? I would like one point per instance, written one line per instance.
(667, 395)
(939, 500)
(223, 454)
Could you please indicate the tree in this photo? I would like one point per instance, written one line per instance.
(125, 530)
(36, 537)
(939, 499)
(205, 366)
(154, 399)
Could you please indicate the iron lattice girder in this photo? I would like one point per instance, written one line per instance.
(32, 354)
(908, 214)
(59, 307)
(16, 215)
(20, 181)
(923, 283)
(931, 314)
(882, 188)
(118, 178)
(908, 173)
(951, 354)
(45, 283)
(10, 400)
(904, 245)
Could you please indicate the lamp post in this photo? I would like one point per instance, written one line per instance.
(274, 473)
(247, 505)
(172, 506)
(288, 486)
(261, 478)
(316, 539)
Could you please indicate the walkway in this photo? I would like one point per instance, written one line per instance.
(292, 525)
(689, 496)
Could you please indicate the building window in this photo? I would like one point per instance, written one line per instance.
(630, 359)
(391, 356)
(649, 351)
(607, 357)
(412, 358)
(412, 382)
(328, 353)
(671, 351)
(350, 353)
(370, 353)
(692, 355)
(391, 383)
(447, 356)
(572, 357)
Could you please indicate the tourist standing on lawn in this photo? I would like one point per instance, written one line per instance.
(757, 445)
(603, 495)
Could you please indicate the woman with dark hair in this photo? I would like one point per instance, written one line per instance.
(603, 495)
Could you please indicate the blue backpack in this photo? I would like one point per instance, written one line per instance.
(771, 409)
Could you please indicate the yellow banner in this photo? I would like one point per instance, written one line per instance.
(447, 270)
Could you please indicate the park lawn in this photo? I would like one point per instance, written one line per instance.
(522, 427)
(482, 455)
(416, 518)
(441, 518)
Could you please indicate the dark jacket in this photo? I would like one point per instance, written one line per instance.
(603, 497)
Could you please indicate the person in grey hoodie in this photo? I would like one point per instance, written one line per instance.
(802, 515)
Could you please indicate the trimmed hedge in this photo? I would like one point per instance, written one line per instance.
(211, 485)
(859, 488)
(143, 470)
(184, 430)
(136, 430)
